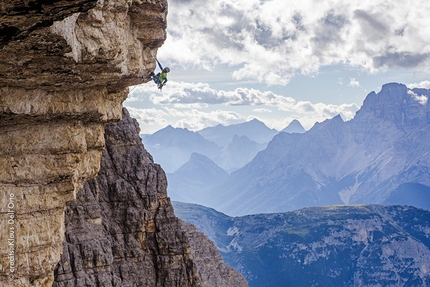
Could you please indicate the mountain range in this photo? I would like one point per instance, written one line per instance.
(381, 156)
(365, 160)
(230, 147)
(255, 130)
(172, 147)
(348, 245)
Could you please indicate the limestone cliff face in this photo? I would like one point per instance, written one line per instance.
(64, 69)
(64, 45)
(211, 269)
(122, 230)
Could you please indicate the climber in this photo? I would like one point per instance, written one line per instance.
(161, 78)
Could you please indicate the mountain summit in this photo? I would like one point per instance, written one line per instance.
(397, 104)
(171, 147)
(360, 161)
(294, 127)
(255, 130)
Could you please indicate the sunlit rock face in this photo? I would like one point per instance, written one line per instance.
(64, 70)
(80, 44)
(122, 230)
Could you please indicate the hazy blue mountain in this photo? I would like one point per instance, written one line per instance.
(190, 181)
(255, 130)
(209, 221)
(143, 136)
(172, 147)
(414, 194)
(295, 127)
(239, 152)
(362, 245)
(364, 160)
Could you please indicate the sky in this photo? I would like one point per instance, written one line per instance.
(276, 60)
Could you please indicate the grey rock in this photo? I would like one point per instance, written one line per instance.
(210, 265)
(122, 230)
(360, 245)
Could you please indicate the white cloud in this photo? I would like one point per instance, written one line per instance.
(197, 120)
(421, 85)
(151, 120)
(148, 118)
(199, 95)
(421, 99)
(274, 39)
(202, 93)
(353, 82)
(191, 105)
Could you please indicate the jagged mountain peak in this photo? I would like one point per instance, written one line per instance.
(294, 127)
(360, 161)
(254, 121)
(397, 104)
(237, 138)
(202, 169)
(172, 135)
(199, 162)
(198, 157)
(171, 147)
(191, 179)
(335, 121)
(255, 130)
(170, 129)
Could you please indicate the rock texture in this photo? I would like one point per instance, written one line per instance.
(361, 245)
(122, 230)
(79, 44)
(210, 266)
(64, 69)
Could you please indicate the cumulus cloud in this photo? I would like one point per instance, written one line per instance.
(420, 85)
(272, 40)
(149, 117)
(194, 95)
(191, 105)
(192, 119)
(421, 99)
(202, 93)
